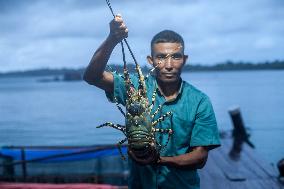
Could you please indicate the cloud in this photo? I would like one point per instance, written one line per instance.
(38, 33)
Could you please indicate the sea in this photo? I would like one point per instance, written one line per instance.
(67, 113)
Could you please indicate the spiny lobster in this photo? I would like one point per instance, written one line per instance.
(140, 125)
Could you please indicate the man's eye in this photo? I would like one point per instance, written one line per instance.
(160, 56)
(176, 56)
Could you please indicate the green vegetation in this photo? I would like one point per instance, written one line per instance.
(41, 72)
(227, 66)
(275, 65)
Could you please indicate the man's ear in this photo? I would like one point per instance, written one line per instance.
(150, 60)
(185, 58)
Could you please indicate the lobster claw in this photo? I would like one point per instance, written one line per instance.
(152, 157)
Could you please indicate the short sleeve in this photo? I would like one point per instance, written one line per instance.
(205, 131)
(119, 92)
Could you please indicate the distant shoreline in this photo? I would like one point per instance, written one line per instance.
(227, 66)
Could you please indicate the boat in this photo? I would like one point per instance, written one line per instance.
(234, 165)
(100, 164)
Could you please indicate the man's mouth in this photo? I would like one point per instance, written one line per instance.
(168, 74)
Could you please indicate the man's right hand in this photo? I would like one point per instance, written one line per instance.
(118, 30)
(152, 159)
(95, 73)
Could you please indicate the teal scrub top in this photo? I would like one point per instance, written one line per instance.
(193, 123)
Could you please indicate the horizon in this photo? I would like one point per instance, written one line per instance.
(57, 34)
(149, 66)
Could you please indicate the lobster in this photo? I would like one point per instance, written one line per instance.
(139, 127)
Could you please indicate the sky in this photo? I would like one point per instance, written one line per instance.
(65, 34)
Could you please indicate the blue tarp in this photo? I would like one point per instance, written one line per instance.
(76, 153)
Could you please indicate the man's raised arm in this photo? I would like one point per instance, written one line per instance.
(95, 73)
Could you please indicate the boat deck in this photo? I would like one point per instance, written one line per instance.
(248, 172)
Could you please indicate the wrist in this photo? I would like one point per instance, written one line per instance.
(111, 40)
(162, 161)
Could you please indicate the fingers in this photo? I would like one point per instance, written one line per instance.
(118, 29)
(120, 23)
(118, 18)
(152, 159)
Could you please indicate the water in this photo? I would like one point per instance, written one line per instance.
(66, 113)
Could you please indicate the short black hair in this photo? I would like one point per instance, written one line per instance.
(167, 36)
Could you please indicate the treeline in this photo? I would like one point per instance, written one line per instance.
(42, 72)
(227, 66)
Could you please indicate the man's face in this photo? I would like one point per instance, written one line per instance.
(168, 58)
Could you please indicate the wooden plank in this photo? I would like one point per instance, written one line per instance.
(247, 164)
(212, 169)
(273, 184)
(218, 184)
(269, 169)
(221, 172)
(231, 170)
(265, 172)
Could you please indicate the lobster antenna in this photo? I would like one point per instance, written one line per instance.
(109, 6)
(142, 86)
(125, 71)
(153, 69)
(122, 48)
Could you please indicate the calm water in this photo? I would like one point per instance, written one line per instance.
(66, 113)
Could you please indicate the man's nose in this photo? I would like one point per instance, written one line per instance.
(168, 63)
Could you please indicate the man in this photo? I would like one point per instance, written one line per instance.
(193, 121)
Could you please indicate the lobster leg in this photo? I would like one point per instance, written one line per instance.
(158, 109)
(116, 126)
(117, 105)
(153, 100)
(119, 148)
(154, 123)
(169, 131)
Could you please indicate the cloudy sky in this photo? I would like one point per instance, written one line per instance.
(65, 33)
